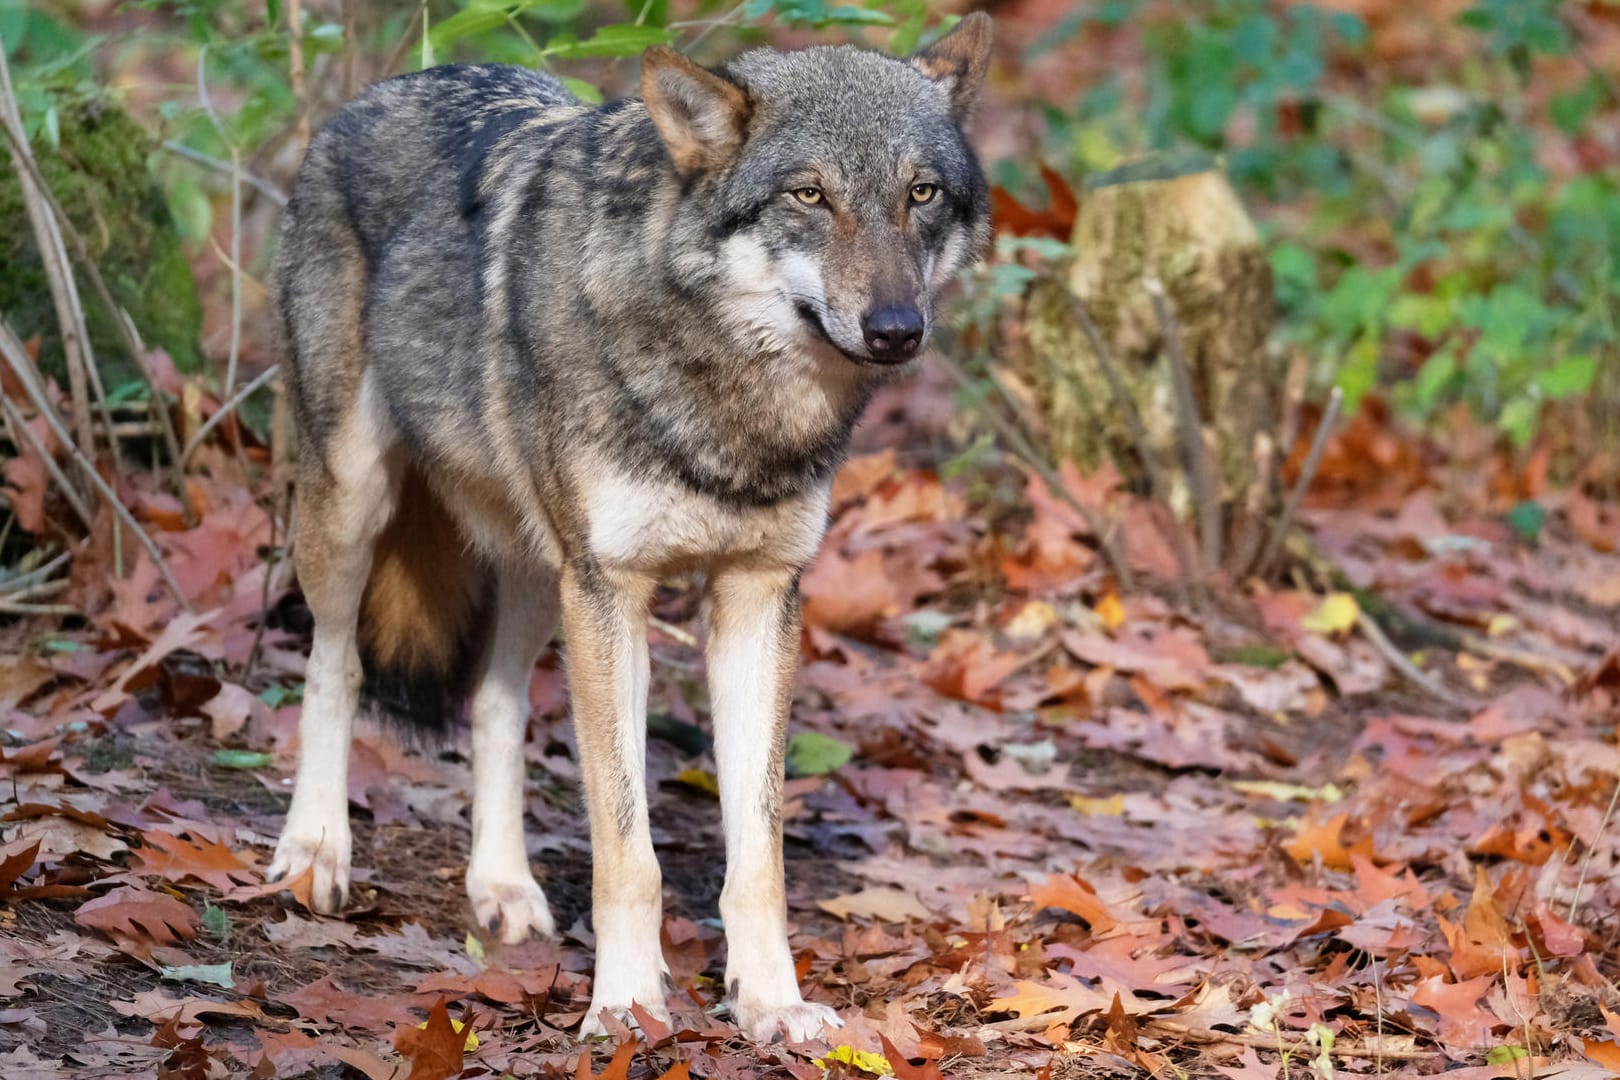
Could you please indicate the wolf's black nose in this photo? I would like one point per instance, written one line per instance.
(893, 333)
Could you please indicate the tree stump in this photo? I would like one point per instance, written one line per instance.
(1172, 225)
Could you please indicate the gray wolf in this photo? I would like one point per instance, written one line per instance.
(544, 354)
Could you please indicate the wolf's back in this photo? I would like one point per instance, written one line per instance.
(377, 248)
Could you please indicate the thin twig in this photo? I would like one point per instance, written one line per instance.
(74, 498)
(280, 413)
(670, 630)
(33, 577)
(15, 607)
(264, 187)
(405, 39)
(236, 273)
(1025, 452)
(1279, 532)
(53, 257)
(1262, 484)
(17, 357)
(1205, 492)
(226, 409)
(1591, 850)
(1413, 674)
(1158, 481)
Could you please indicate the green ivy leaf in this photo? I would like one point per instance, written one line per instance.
(811, 753)
(239, 759)
(1570, 376)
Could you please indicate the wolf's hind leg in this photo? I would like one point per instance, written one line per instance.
(505, 897)
(605, 620)
(753, 655)
(345, 497)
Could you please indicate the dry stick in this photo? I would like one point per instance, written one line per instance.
(34, 577)
(1591, 850)
(1414, 674)
(1202, 471)
(1157, 480)
(236, 274)
(197, 157)
(405, 40)
(1267, 451)
(1274, 542)
(226, 409)
(14, 607)
(280, 415)
(1021, 447)
(53, 257)
(17, 357)
(26, 434)
(127, 335)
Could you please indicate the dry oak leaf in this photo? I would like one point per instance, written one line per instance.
(1483, 944)
(139, 915)
(435, 1049)
(617, 1069)
(1463, 1024)
(1326, 838)
(1061, 998)
(175, 858)
(882, 902)
(1069, 893)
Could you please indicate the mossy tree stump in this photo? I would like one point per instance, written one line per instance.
(1175, 226)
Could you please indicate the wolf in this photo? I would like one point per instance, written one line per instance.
(543, 355)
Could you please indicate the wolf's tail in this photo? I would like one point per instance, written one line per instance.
(425, 619)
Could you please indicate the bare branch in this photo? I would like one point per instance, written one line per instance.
(1279, 532)
(17, 358)
(1206, 493)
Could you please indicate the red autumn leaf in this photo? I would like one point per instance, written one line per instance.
(1462, 1021)
(616, 1069)
(1326, 838)
(15, 865)
(139, 915)
(175, 858)
(1483, 943)
(903, 1068)
(434, 1051)
(1013, 218)
(1071, 894)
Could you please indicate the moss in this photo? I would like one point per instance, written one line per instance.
(99, 174)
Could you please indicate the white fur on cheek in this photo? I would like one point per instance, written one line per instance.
(762, 294)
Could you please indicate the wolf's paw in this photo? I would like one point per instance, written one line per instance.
(796, 1021)
(592, 1026)
(514, 908)
(324, 849)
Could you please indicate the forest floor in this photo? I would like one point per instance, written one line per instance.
(1357, 825)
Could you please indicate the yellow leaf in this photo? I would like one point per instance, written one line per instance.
(1033, 619)
(1274, 789)
(472, 1036)
(474, 947)
(864, 1060)
(1501, 624)
(1110, 611)
(1110, 806)
(702, 779)
(1336, 614)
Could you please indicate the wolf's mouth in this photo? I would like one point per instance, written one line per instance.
(810, 315)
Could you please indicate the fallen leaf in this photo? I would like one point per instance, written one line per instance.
(883, 903)
(139, 915)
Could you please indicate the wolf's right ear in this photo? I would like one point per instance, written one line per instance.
(701, 116)
(960, 59)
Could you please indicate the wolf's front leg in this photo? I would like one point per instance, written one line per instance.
(341, 509)
(605, 623)
(505, 897)
(753, 655)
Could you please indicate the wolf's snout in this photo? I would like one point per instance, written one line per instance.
(893, 333)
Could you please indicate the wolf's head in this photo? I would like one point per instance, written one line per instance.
(837, 189)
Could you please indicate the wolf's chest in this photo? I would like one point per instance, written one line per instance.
(660, 527)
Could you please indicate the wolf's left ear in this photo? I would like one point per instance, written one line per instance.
(701, 116)
(960, 59)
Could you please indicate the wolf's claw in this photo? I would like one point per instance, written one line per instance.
(511, 909)
(324, 849)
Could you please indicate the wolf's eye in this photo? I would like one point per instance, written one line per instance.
(810, 196)
(923, 193)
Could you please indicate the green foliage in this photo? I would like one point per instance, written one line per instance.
(1427, 253)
